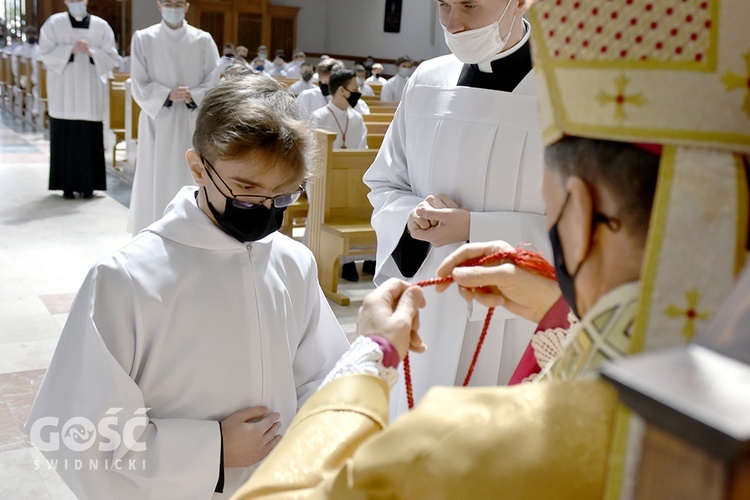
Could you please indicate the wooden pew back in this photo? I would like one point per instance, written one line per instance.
(338, 220)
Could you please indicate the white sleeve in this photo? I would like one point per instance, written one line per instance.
(53, 54)
(210, 57)
(321, 345)
(385, 93)
(123, 452)
(104, 51)
(150, 95)
(363, 136)
(390, 190)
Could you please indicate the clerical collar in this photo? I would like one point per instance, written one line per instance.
(506, 71)
(83, 23)
(487, 67)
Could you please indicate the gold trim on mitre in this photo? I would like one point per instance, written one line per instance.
(675, 73)
(687, 56)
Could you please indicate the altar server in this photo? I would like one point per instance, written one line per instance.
(174, 65)
(190, 349)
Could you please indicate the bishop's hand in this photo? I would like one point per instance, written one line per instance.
(249, 435)
(391, 311)
(439, 221)
(521, 292)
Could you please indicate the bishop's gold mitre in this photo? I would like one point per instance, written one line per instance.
(673, 73)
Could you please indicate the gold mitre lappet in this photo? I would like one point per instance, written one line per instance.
(674, 73)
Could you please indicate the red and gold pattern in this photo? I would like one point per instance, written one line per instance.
(674, 73)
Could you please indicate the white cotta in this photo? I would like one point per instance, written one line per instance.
(77, 89)
(483, 148)
(393, 89)
(162, 60)
(338, 121)
(192, 325)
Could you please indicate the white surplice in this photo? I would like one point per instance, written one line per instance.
(393, 88)
(190, 323)
(77, 89)
(299, 86)
(309, 100)
(484, 149)
(162, 60)
(343, 122)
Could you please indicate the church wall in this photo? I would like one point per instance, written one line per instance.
(356, 28)
(144, 14)
(311, 23)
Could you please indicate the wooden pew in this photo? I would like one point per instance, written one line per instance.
(132, 113)
(7, 82)
(117, 114)
(295, 216)
(376, 100)
(377, 128)
(378, 117)
(286, 82)
(374, 141)
(377, 88)
(338, 220)
(382, 107)
(41, 119)
(119, 76)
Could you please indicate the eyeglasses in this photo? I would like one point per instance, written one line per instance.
(250, 201)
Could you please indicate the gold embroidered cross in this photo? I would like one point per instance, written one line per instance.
(620, 99)
(691, 314)
(734, 81)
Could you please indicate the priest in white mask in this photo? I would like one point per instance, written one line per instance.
(187, 352)
(79, 51)
(173, 66)
(466, 121)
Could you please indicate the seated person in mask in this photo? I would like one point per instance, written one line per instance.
(311, 99)
(208, 330)
(304, 83)
(364, 89)
(338, 116)
(377, 70)
(294, 68)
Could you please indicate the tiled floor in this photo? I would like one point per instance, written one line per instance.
(47, 245)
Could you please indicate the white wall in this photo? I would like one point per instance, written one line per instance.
(351, 27)
(355, 27)
(311, 23)
(144, 14)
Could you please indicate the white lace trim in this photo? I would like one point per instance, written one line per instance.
(548, 344)
(363, 356)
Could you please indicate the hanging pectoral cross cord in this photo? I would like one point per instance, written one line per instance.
(343, 131)
(525, 259)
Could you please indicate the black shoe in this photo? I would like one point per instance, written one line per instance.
(87, 196)
(368, 267)
(349, 272)
(68, 195)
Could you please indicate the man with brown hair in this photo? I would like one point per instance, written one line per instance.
(195, 344)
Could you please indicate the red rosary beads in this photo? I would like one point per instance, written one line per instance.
(525, 259)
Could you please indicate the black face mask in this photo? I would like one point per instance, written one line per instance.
(324, 89)
(307, 76)
(564, 278)
(32, 40)
(353, 98)
(247, 224)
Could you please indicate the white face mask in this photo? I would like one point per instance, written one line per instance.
(77, 10)
(405, 72)
(173, 15)
(478, 45)
(360, 81)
